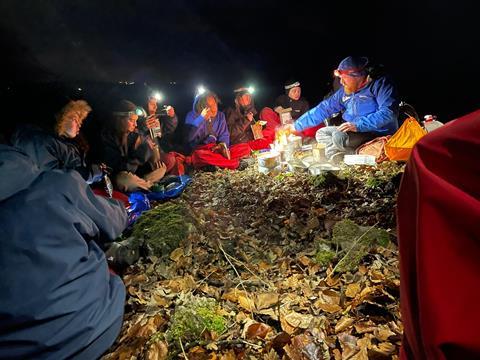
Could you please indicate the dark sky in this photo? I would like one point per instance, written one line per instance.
(429, 47)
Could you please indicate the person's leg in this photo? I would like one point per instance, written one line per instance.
(204, 156)
(333, 139)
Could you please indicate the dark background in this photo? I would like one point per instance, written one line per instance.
(53, 48)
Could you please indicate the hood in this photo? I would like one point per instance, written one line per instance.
(18, 171)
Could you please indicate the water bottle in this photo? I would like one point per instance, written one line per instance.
(430, 123)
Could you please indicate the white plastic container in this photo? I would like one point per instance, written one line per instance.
(268, 159)
(359, 160)
(431, 123)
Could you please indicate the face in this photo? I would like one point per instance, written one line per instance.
(294, 93)
(152, 106)
(72, 125)
(212, 104)
(351, 83)
(245, 100)
(130, 123)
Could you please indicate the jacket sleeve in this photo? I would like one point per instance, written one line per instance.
(387, 111)
(109, 215)
(237, 124)
(195, 128)
(322, 111)
(169, 124)
(223, 134)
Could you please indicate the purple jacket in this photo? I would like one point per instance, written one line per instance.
(199, 131)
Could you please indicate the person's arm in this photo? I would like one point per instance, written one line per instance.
(169, 124)
(319, 113)
(387, 112)
(109, 215)
(237, 124)
(223, 134)
(195, 128)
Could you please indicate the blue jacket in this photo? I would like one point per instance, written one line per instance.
(57, 299)
(373, 108)
(202, 132)
(50, 152)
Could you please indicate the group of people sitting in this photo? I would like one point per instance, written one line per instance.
(57, 225)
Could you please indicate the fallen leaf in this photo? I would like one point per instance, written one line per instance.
(343, 323)
(352, 290)
(257, 330)
(176, 254)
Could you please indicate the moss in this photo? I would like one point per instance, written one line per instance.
(193, 317)
(324, 257)
(356, 241)
(161, 229)
(325, 179)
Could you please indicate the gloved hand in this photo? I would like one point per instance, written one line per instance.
(128, 182)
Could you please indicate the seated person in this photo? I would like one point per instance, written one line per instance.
(369, 107)
(240, 120)
(129, 154)
(58, 298)
(291, 99)
(63, 149)
(207, 135)
(161, 127)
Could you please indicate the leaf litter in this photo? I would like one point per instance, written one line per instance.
(250, 266)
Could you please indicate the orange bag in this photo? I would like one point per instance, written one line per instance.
(401, 143)
(375, 147)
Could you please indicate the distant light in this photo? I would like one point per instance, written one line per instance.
(200, 90)
(79, 89)
(131, 83)
(173, 83)
(158, 96)
(251, 89)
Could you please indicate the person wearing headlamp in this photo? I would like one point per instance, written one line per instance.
(369, 108)
(127, 152)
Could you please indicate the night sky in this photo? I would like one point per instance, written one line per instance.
(429, 48)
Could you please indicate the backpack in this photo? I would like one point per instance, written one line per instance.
(375, 147)
(402, 142)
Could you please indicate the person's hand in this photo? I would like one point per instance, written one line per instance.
(348, 126)
(152, 122)
(289, 128)
(278, 109)
(205, 113)
(249, 116)
(170, 111)
(222, 149)
(156, 175)
(127, 182)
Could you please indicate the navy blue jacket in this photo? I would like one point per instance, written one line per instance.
(373, 108)
(50, 152)
(57, 299)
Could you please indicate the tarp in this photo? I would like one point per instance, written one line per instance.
(439, 239)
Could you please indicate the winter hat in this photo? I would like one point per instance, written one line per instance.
(291, 84)
(353, 66)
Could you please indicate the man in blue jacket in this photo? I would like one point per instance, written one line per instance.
(369, 108)
(58, 298)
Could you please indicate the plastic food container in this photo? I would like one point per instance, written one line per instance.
(359, 160)
(269, 159)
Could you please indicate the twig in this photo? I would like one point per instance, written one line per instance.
(183, 350)
(251, 272)
(353, 245)
(218, 343)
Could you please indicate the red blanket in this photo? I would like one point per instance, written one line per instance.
(439, 238)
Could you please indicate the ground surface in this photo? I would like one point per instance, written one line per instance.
(263, 271)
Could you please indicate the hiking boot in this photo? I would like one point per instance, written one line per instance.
(122, 254)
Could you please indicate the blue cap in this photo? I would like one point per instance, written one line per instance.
(353, 66)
